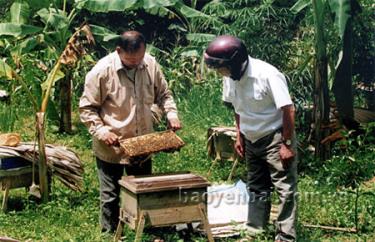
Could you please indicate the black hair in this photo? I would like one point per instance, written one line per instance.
(131, 41)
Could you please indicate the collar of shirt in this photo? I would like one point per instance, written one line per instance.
(250, 71)
(118, 64)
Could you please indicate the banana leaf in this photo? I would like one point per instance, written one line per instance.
(105, 6)
(17, 30)
(53, 18)
(20, 12)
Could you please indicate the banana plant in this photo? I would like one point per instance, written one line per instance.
(163, 8)
(72, 52)
(343, 12)
(27, 42)
(53, 38)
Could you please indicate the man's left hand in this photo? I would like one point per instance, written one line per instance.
(174, 124)
(286, 155)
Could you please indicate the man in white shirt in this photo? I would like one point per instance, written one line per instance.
(264, 115)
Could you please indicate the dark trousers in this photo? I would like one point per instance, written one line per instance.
(265, 172)
(109, 175)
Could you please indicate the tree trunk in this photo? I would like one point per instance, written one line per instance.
(321, 92)
(321, 110)
(342, 85)
(66, 104)
(42, 164)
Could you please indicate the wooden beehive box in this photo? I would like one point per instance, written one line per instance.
(151, 143)
(168, 199)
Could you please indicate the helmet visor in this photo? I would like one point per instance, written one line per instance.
(214, 62)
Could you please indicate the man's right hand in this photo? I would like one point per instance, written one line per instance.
(239, 145)
(110, 138)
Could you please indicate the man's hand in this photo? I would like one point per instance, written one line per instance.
(174, 124)
(286, 155)
(110, 138)
(238, 146)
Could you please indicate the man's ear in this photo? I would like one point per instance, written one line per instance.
(118, 49)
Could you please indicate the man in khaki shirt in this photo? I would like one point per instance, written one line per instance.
(116, 104)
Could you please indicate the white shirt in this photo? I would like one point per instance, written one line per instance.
(257, 98)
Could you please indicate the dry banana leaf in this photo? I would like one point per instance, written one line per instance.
(62, 162)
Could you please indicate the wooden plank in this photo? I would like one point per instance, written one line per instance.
(5, 199)
(130, 220)
(141, 226)
(129, 201)
(162, 183)
(15, 171)
(158, 178)
(172, 198)
(174, 215)
(203, 212)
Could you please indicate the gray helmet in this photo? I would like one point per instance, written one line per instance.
(227, 51)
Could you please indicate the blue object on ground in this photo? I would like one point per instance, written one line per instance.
(13, 162)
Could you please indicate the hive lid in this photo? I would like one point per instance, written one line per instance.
(162, 182)
(151, 143)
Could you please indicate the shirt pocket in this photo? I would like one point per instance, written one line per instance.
(257, 100)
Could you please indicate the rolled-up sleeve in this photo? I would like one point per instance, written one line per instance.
(279, 90)
(92, 98)
(164, 98)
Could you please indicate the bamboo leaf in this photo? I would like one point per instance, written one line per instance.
(300, 5)
(19, 12)
(342, 11)
(200, 37)
(17, 30)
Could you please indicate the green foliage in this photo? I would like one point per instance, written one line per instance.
(354, 164)
(265, 27)
(7, 118)
(71, 216)
(270, 31)
(364, 45)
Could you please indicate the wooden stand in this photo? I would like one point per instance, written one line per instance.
(220, 146)
(162, 200)
(14, 178)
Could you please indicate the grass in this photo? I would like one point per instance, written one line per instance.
(71, 216)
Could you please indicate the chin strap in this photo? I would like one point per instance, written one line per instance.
(241, 72)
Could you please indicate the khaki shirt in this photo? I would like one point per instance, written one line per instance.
(113, 102)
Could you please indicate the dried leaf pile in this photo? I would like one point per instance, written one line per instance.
(61, 162)
(151, 143)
